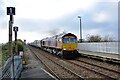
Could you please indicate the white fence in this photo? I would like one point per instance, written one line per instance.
(105, 47)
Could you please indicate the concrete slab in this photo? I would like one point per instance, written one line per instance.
(34, 73)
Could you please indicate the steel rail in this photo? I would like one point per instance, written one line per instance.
(65, 68)
(99, 66)
(106, 76)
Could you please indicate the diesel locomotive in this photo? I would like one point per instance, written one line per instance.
(64, 45)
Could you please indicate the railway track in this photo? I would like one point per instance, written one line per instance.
(115, 71)
(78, 63)
(37, 57)
(70, 74)
(96, 70)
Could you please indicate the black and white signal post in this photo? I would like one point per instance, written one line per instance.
(11, 12)
(15, 29)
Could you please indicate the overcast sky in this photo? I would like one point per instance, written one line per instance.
(38, 19)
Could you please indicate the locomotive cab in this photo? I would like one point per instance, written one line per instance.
(69, 45)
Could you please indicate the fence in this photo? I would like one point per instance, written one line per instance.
(6, 70)
(105, 47)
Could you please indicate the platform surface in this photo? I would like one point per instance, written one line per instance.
(105, 55)
(34, 69)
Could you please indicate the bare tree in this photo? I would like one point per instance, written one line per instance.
(94, 38)
(98, 38)
(107, 38)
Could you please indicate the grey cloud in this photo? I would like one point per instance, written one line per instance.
(2, 12)
(70, 21)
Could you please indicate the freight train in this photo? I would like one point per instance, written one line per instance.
(64, 45)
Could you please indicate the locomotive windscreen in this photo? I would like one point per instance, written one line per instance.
(69, 39)
(65, 40)
(73, 40)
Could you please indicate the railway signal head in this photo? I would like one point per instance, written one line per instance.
(10, 10)
(15, 29)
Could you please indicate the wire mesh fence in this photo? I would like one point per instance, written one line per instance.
(6, 69)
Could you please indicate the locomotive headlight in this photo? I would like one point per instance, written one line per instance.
(64, 49)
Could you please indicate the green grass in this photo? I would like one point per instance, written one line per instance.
(4, 55)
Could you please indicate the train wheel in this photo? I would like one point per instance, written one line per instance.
(54, 51)
(50, 51)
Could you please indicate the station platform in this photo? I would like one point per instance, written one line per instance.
(109, 56)
(34, 69)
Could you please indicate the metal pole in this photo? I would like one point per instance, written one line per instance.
(10, 46)
(11, 12)
(23, 49)
(10, 38)
(80, 29)
(24, 46)
(15, 29)
(16, 51)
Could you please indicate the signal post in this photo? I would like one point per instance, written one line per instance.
(11, 12)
